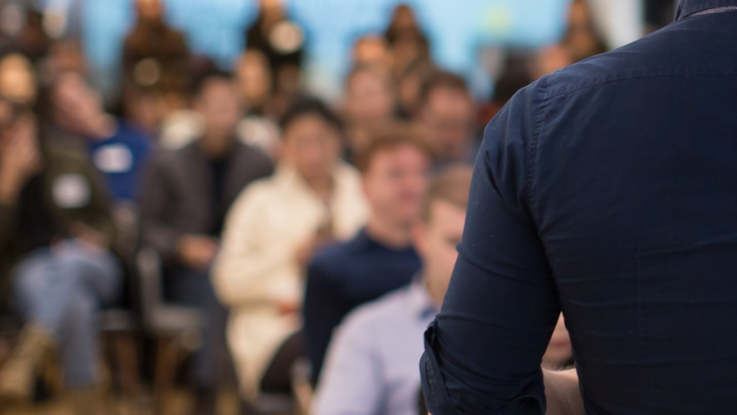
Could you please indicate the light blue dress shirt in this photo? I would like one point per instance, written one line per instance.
(372, 362)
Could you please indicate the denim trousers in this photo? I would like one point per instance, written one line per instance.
(62, 289)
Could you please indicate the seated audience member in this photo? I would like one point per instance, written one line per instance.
(371, 366)
(77, 118)
(369, 101)
(55, 231)
(183, 206)
(447, 111)
(395, 166)
(270, 235)
(154, 54)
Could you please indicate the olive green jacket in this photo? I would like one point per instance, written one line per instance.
(91, 208)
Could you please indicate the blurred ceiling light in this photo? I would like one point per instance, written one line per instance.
(55, 22)
(12, 19)
(286, 37)
(147, 72)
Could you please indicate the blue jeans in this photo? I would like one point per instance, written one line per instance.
(62, 291)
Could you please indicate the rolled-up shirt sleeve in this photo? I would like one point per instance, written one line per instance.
(483, 351)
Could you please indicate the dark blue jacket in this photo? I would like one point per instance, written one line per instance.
(607, 190)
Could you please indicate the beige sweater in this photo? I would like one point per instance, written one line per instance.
(257, 267)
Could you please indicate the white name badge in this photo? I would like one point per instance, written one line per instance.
(115, 158)
(71, 191)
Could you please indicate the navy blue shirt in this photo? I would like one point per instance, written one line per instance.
(344, 276)
(607, 190)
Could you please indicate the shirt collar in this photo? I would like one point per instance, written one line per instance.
(420, 300)
(689, 7)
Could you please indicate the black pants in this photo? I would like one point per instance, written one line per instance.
(277, 378)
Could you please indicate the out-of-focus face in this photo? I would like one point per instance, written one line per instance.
(404, 17)
(220, 106)
(449, 114)
(396, 181)
(371, 50)
(76, 106)
(254, 78)
(559, 350)
(549, 59)
(436, 243)
(578, 17)
(369, 98)
(312, 146)
(17, 82)
(150, 9)
(145, 109)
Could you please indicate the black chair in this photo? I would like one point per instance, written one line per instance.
(176, 329)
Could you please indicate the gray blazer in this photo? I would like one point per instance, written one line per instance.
(177, 191)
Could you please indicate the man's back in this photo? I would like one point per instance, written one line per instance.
(607, 190)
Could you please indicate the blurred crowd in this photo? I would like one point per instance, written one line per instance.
(303, 233)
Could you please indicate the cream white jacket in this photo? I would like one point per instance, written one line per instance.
(257, 266)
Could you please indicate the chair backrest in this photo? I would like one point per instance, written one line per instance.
(149, 267)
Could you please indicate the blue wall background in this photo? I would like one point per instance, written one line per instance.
(457, 28)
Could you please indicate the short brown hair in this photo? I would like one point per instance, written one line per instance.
(442, 79)
(452, 185)
(390, 136)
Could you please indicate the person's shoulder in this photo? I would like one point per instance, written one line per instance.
(659, 54)
(378, 314)
(330, 261)
(260, 192)
(252, 156)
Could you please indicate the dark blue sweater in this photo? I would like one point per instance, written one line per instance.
(344, 276)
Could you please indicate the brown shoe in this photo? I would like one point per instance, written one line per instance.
(18, 374)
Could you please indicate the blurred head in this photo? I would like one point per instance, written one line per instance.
(216, 98)
(559, 351)
(144, 107)
(369, 97)
(441, 228)
(66, 56)
(16, 123)
(311, 139)
(17, 79)
(581, 39)
(149, 9)
(371, 50)
(403, 18)
(254, 78)
(396, 165)
(579, 16)
(410, 84)
(549, 59)
(74, 105)
(447, 111)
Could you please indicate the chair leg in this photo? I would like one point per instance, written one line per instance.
(166, 365)
(127, 362)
